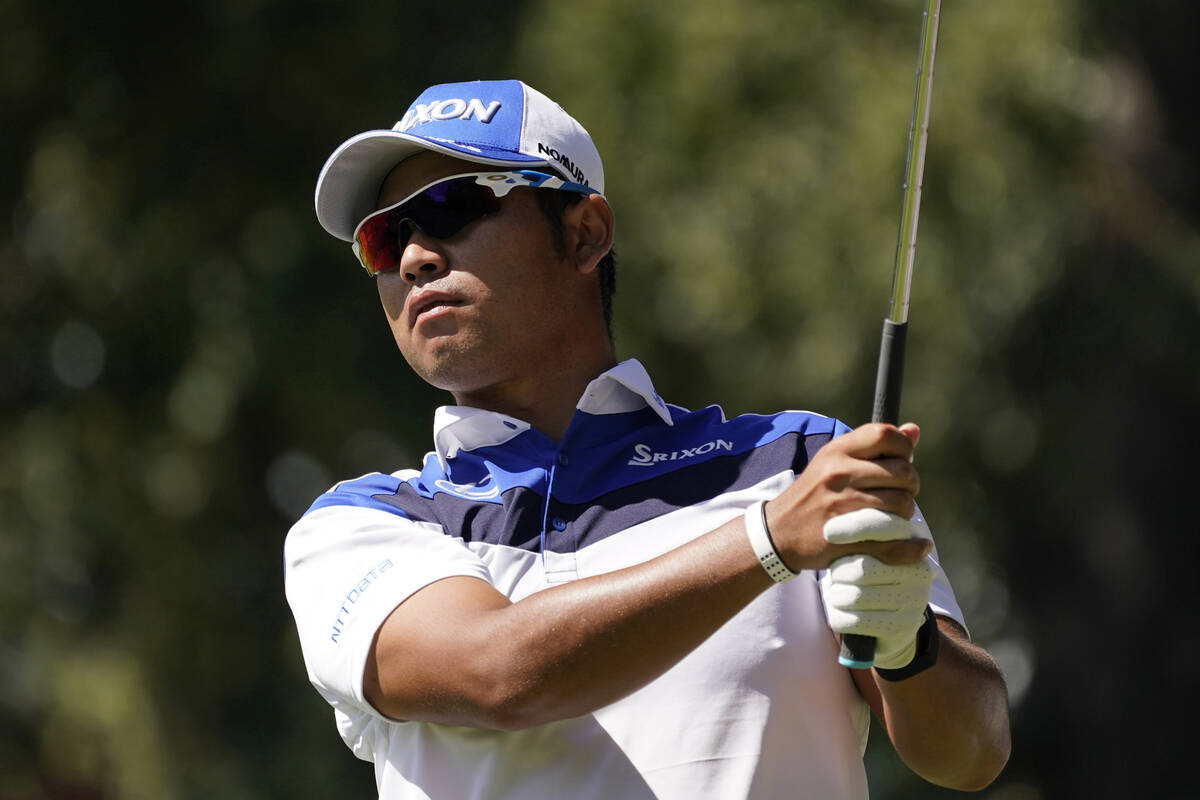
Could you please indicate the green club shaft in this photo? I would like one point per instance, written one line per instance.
(914, 167)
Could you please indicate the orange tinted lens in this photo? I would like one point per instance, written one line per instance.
(440, 211)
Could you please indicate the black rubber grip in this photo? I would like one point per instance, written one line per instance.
(890, 375)
(858, 652)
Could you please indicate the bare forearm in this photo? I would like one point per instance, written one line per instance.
(587, 644)
(574, 648)
(950, 723)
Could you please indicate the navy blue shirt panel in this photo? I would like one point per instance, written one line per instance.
(611, 472)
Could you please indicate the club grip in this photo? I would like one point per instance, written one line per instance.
(858, 652)
(890, 374)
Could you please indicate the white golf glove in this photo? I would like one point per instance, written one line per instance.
(867, 597)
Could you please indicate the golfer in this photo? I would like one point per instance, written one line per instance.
(585, 591)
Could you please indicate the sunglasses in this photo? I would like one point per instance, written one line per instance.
(442, 209)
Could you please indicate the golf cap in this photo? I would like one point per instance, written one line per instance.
(497, 123)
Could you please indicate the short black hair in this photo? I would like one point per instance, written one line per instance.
(553, 203)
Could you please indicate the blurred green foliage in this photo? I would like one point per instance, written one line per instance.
(186, 359)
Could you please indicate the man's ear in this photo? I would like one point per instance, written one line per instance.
(588, 231)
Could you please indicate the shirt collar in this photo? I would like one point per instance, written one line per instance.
(624, 388)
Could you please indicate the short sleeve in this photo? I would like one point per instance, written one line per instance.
(941, 594)
(345, 569)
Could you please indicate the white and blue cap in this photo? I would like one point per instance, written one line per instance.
(498, 123)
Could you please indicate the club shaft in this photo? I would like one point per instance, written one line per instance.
(914, 167)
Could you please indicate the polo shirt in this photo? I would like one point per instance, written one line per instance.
(760, 709)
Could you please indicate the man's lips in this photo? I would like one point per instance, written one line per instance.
(428, 301)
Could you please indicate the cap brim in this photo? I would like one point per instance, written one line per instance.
(348, 187)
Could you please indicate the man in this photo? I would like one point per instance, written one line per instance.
(585, 591)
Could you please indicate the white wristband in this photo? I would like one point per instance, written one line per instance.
(760, 540)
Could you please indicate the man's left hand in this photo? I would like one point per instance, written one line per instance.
(870, 598)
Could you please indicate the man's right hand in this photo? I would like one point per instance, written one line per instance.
(869, 467)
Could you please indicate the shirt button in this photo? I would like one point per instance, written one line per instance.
(563, 460)
(559, 524)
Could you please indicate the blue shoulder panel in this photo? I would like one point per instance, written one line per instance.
(363, 492)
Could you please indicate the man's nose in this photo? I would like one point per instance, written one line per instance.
(422, 260)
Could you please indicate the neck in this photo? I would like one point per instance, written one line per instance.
(547, 402)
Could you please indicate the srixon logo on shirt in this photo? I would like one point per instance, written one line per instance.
(645, 457)
(453, 108)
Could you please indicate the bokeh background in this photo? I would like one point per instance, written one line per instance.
(186, 359)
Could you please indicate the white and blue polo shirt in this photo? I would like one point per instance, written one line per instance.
(758, 710)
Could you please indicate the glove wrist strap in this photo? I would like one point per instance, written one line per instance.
(928, 638)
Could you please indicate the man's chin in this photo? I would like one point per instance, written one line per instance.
(455, 373)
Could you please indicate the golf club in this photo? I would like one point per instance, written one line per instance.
(858, 652)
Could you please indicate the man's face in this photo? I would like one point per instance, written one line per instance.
(492, 304)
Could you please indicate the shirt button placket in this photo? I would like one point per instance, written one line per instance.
(558, 523)
(560, 562)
